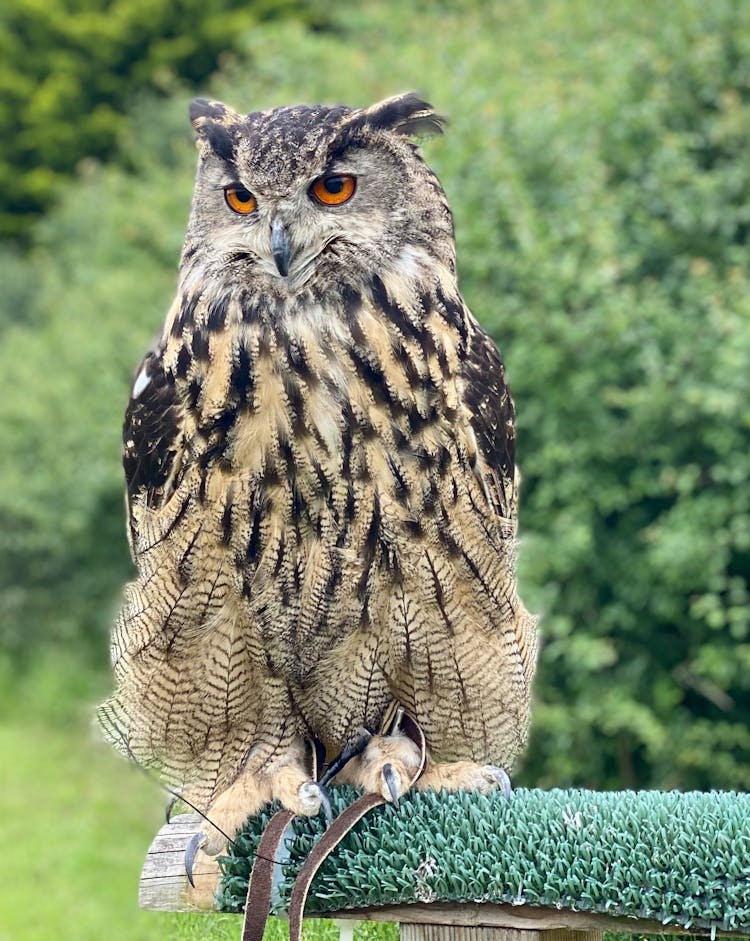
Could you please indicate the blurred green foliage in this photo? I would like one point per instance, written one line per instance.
(596, 160)
(79, 819)
(69, 69)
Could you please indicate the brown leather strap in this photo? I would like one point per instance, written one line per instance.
(397, 721)
(260, 884)
(320, 852)
(392, 718)
(258, 903)
(317, 758)
(400, 723)
(413, 730)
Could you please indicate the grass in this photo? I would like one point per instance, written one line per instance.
(77, 821)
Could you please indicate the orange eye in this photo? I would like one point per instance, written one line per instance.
(240, 200)
(333, 190)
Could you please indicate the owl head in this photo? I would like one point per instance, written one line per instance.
(317, 195)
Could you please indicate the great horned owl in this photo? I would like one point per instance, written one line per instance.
(321, 481)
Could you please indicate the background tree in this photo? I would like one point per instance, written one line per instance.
(70, 68)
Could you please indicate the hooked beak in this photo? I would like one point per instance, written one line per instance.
(281, 247)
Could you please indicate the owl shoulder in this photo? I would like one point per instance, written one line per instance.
(152, 432)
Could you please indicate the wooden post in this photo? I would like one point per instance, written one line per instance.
(164, 886)
(421, 932)
(346, 929)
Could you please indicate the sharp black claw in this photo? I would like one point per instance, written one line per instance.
(196, 841)
(389, 776)
(353, 747)
(174, 799)
(325, 804)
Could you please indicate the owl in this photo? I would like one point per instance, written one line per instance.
(319, 454)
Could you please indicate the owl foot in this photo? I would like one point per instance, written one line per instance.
(286, 780)
(387, 766)
(464, 776)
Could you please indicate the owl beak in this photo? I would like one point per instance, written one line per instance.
(281, 247)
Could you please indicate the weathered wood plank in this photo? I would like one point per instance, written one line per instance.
(522, 917)
(453, 932)
(164, 886)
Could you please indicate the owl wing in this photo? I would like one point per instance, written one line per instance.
(492, 418)
(179, 671)
(153, 440)
(493, 421)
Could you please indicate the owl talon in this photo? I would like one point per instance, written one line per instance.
(325, 804)
(501, 777)
(353, 748)
(174, 799)
(392, 780)
(197, 841)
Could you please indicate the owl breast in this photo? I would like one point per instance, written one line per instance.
(324, 441)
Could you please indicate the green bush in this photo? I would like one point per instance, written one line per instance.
(632, 348)
(596, 159)
(69, 68)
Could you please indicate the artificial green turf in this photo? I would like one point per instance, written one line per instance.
(681, 859)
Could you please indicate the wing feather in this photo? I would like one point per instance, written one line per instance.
(152, 437)
(492, 418)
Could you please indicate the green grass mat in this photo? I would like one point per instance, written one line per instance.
(681, 859)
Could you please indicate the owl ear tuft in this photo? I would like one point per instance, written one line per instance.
(203, 110)
(212, 121)
(405, 114)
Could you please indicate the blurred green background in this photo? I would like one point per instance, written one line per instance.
(597, 163)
